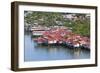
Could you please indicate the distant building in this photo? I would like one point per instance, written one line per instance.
(39, 30)
(69, 17)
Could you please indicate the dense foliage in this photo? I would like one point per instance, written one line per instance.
(80, 25)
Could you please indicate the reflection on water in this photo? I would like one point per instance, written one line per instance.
(35, 52)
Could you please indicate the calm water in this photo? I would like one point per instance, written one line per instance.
(35, 52)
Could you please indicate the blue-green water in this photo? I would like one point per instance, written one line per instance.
(35, 52)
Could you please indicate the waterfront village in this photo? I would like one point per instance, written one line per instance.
(57, 28)
(60, 35)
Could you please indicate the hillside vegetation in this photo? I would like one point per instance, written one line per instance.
(79, 23)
